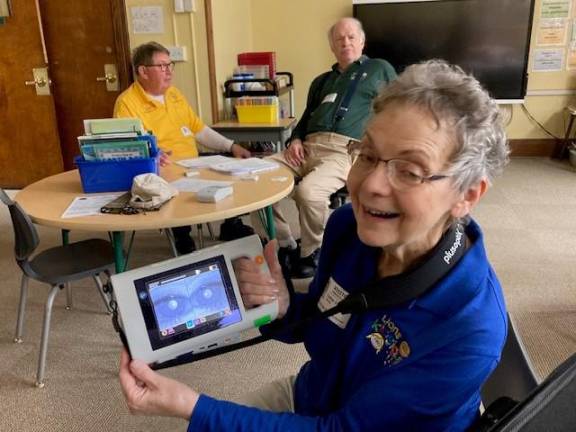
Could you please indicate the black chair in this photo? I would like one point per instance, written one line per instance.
(57, 266)
(512, 381)
(339, 198)
(514, 377)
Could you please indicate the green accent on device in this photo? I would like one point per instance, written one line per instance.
(265, 319)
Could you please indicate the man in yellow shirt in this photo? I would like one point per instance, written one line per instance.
(164, 111)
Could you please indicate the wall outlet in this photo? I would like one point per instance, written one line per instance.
(178, 53)
(184, 6)
(189, 5)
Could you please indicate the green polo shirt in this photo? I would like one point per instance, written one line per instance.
(326, 94)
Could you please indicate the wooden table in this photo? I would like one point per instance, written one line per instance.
(277, 132)
(47, 199)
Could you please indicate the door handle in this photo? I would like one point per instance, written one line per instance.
(110, 77)
(41, 81)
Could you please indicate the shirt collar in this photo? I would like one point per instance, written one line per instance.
(358, 62)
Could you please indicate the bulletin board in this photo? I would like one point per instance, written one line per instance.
(552, 63)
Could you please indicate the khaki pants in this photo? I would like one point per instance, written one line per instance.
(323, 172)
(277, 396)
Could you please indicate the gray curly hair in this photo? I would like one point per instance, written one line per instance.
(454, 97)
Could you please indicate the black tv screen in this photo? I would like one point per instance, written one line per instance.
(488, 38)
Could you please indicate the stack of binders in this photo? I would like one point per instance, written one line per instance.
(113, 151)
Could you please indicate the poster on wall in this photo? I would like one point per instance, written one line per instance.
(555, 9)
(552, 31)
(147, 19)
(548, 60)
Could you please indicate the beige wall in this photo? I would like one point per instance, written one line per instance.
(296, 30)
(547, 108)
(233, 34)
(189, 30)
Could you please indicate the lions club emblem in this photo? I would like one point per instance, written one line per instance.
(387, 338)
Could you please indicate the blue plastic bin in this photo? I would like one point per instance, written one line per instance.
(115, 175)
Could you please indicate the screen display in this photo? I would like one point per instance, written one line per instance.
(188, 301)
(488, 38)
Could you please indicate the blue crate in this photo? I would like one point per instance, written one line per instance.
(116, 175)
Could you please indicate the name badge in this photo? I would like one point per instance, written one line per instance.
(329, 98)
(186, 131)
(332, 295)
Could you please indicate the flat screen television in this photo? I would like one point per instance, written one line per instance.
(488, 38)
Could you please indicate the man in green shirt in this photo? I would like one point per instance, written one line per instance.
(338, 106)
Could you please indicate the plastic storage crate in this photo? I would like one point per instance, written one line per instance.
(116, 175)
(257, 113)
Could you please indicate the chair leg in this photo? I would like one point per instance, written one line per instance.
(170, 237)
(200, 236)
(105, 298)
(21, 308)
(68, 296)
(210, 231)
(45, 332)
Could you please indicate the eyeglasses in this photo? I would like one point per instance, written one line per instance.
(401, 174)
(163, 66)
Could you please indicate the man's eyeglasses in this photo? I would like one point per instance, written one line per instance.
(163, 66)
(401, 174)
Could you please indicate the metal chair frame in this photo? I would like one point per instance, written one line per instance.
(58, 267)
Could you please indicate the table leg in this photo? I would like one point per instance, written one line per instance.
(65, 237)
(118, 244)
(270, 227)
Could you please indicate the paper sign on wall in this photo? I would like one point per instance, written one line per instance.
(548, 60)
(147, 19)
(555, 9)
(552, 31)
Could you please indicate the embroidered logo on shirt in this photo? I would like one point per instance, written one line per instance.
(387, 337)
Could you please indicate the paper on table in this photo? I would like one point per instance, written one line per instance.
(245, 166)
(204, 161)
(194, 185)
(88, 205)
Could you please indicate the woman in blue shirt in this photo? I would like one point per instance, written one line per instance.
(428, 155)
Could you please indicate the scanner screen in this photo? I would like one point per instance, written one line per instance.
(188, 301)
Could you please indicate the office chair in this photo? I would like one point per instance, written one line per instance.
(57, 266)
(514, 376)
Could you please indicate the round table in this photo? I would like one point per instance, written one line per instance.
(46, 200)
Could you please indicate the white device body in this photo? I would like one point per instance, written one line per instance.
(214, 193)
(129, 293)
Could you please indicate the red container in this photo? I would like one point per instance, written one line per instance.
(259, 58)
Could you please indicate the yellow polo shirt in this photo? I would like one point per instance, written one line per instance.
(173, 122)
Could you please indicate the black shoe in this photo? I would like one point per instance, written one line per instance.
(185, 246)
(306, 266)
(234, 228)
(288, 258)
(182, 240)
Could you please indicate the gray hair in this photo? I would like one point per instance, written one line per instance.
(143, 54)
(354, 20)
(454, 97)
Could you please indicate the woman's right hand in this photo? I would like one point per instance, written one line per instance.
(258, 287)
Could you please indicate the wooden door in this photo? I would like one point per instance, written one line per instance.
(81, 38)
(74, 40)
(29, 145)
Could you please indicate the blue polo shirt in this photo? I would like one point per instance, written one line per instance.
(416, 367)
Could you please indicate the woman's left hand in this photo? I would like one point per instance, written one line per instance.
(239, 152)
(149, 393)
